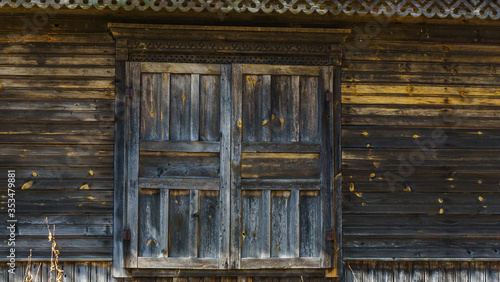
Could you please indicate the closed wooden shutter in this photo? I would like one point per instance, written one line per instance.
(176, 206)
(282, 167)
(229, 166)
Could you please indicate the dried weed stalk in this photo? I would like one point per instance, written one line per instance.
(54, 256)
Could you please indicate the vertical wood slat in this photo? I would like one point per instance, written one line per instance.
(195, 132)
(210, 91)
(295, 109)
(225, 167)
(165, 107)
(134, 76)
(294, 221)
(463, 272)
(179, 215)
(417, 272)
(326, 84)
(309, 108)
(164, 205)
(251, 246)
(337, 169)
(281, 119)
(432, 273)
(236, 132)
(266, 137)
(119, 171)
(195, 107)
(149, 229)
(180, 107)
(193, 223)
(150, 107)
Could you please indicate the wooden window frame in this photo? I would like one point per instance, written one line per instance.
(132, 44)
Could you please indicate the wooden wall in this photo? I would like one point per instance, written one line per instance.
(358, 271)
(408, 87)
(73, 272)
(56, 116)
(421, 156)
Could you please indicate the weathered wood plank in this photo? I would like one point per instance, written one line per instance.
(311, 240)
(281, 147)
(179, 219)
(151, 241)
(236, 161)
(295, 101)
(209, 224)
(180, 107)
(134, 73)
(150, 107)
(193, 223)
(180, 146)
(190, 263)
(225, 207)
(280, 70)
(255, 165)
(210, 106)
(309, 109)
(280, 184)
(178, 183)
(195, 107)
(165, 106)
(253, 229)
(281, 105)
(326, 165)
(181, 68)
(280, 263)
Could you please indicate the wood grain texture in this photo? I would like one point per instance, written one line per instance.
(423, 113)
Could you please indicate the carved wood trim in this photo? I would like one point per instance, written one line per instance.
(252, 45)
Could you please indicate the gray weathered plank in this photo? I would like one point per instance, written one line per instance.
(280, 184)
(134, 73)
(198, 183)
(326, 163)
(180, 146)
(179, 218)
(236, 135)
(224, 166)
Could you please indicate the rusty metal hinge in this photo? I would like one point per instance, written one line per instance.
(329, 96)
(129, 92)
(126, 235)
(330, 236)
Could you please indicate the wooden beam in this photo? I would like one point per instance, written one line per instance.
(180, 146)
(199, 183)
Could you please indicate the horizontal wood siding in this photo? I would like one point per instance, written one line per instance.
(72, 271)
(57, 131)
(356, 271)
(446, 271)
(420, 120)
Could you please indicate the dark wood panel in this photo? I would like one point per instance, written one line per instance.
(197, 183)
(162, 164)
(265, 165)
(179, 218)
(180, 146)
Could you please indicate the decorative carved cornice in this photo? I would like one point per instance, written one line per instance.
(429, 8)
(203, 44)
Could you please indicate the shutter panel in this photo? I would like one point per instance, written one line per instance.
(282, 174)
(183, 181)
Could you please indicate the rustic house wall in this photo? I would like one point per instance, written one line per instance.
(57, 131)
(420, 136)
(57, 126)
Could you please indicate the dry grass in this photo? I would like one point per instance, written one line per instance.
(54, 256)
(56, 273)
